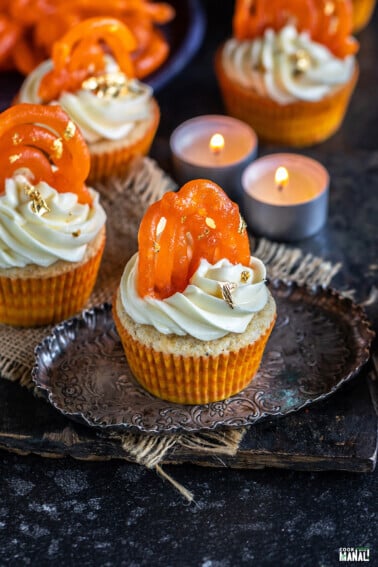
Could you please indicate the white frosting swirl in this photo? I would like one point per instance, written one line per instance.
(200, 310)
(107, 118)
(286, 66)
(63, 233)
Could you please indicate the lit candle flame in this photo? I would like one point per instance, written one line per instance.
(281, 177)
(216, 143)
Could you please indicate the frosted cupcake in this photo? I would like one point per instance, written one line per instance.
(362, 13)
(291, 82)
(52, 226)
(192, 310)
(91, 75)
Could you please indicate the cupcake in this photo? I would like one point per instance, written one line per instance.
(91, 76)
(362, 13)
(52, 226)
(192, 309)
(289, 70)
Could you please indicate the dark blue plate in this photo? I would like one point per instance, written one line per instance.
(184, 34)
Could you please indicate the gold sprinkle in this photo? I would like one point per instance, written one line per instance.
(183, 219)
(329, 8)
(14, 158)
(70, 130)
(90, 84)
(205, 233)
(16, 139)
(156, 247)
(244, 276)
(242, 225)
(76, 233)
(210, 222)
(226, 289)
(301, 60)
(161, 226)
(111, 85)
(39, 205)
(57, 148)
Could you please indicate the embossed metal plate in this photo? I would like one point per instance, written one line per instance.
(319, 342)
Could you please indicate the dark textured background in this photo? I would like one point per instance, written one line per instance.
(116, 513)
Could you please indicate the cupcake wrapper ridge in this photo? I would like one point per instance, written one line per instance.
(31, 302)
(116, 160)
(191, 379)
(298, 124)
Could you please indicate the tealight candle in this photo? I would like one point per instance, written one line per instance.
(213, 147)
(285, 196)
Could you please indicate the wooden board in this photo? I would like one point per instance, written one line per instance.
(337, 434)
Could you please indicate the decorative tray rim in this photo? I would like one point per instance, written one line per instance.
(88, 318)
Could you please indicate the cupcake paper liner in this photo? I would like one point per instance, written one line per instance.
(116, 156)
(298, 124)
(30, 302)
(191, 379)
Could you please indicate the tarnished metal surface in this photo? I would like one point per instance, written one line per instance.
(319, 342)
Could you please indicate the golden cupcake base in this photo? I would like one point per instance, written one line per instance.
(297, 124)
(191, 379)
(35, 301)
(114, 157)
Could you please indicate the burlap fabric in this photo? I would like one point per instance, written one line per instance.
(125, 201)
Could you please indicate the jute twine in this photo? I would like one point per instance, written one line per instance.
(125, 201)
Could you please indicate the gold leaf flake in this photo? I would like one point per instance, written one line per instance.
(161, 226)
(16, 139)
(13, 158)
(301, 60)
(156, 247)
(329, 8)
(57, 148)
(205, 233)
(76, 233)
(210, 222)
(242, 225)
(111, 85)
(244, 276)
(70, 130)
(226, 289)
(39, 205)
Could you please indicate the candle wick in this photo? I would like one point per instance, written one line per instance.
(280, 187)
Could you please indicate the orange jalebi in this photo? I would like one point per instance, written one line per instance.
(80, 53)
(327, 21)
(335, 21)
(31, 27)
(44, 140)
(199, 221)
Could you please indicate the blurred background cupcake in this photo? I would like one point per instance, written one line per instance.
(290, 68)
(362, 13)
(91, 75)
